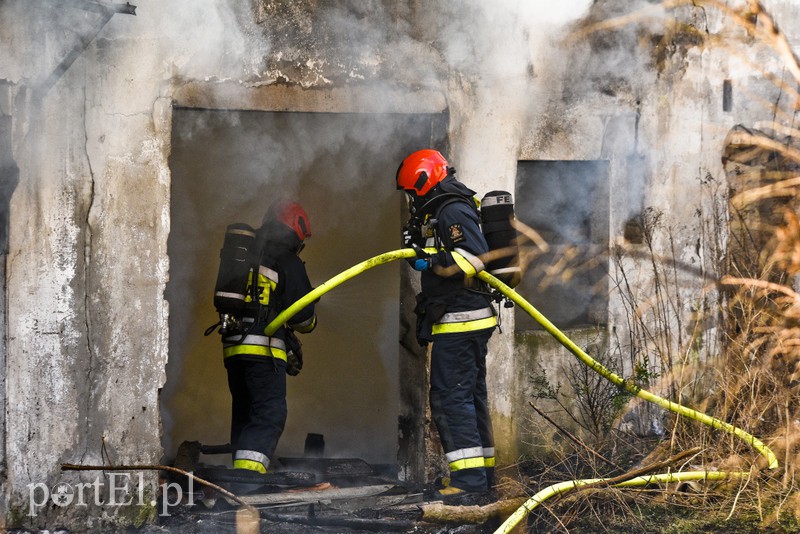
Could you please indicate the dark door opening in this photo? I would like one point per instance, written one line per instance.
(9, 178)
(226, 167)
(567, 203)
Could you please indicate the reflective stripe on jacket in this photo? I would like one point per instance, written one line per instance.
(256, 345)
(306, 326)
(267, 282)
(465, 321)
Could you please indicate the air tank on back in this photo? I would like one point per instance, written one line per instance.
(235, 259)
(497, 214)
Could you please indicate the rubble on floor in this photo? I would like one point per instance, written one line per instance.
(308, 494)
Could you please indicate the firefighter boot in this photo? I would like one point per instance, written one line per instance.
(454, 496)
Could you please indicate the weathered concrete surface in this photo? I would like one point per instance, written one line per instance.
(87, 262)
(86, 271)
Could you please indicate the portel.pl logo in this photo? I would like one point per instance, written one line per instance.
(115, 492)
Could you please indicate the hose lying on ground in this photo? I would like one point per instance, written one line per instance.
(628, 385)
(563, 487)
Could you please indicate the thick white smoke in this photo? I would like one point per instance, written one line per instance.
(488, 52)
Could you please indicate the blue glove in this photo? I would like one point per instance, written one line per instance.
(421, 264)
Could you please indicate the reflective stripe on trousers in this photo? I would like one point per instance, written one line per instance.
(465, 458)
(252, 460)
(488, 456)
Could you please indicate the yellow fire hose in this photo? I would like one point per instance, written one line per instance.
(564, 487)
(337, 280)
(631, 387)
(713, 422)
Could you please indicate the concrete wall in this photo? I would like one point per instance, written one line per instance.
(87, 328)
(87, 263)
(86, 266)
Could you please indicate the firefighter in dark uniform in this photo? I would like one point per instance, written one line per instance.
(257, 364)
(455, 313)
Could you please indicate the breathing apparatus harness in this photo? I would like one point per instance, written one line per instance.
(495, 212)
(244, 286)
(244, 295)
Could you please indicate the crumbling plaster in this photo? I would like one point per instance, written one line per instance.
(87, 263)
(86, 272)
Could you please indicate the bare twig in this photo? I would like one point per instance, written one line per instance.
(575, 439)
(634, 473)
(761, 284)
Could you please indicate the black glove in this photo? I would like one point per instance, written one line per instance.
(294, 354)
(423, 261)
(412, 234)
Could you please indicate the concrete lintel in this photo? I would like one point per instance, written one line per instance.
(279, 97)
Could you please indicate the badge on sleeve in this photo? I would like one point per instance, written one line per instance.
(456, 233)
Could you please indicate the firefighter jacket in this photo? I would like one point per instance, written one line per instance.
(454, 303)
(282, 280)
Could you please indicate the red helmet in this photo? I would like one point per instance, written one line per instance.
(292, 215)
(421, 171)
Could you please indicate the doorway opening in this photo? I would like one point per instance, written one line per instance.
(9, 178)
(227, 166)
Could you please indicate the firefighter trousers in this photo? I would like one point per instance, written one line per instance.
(459, 406)
(258, 409)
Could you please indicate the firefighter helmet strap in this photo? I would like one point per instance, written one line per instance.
(423, 177)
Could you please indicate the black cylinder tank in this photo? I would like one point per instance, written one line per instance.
(497, 214)
(235, 260)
